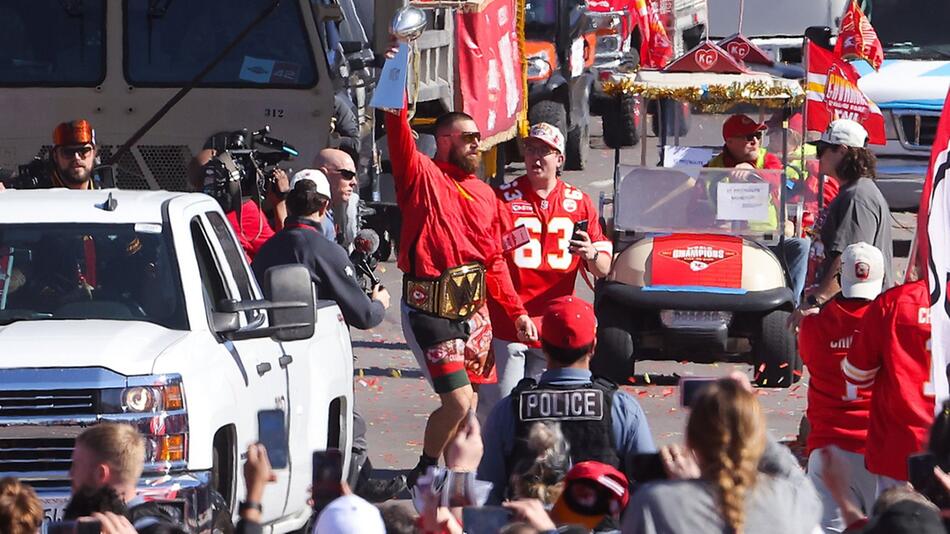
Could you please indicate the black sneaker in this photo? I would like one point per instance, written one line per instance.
(377, 490)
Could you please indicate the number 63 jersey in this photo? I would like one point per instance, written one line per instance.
(543, 268)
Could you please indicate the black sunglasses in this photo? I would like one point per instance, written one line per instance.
(346, 173)
(467, 137)
(757, 136)
(71, 151)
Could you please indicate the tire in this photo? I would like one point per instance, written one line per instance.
(672, 111)
(614, 357)
(620, 123)
(578, 138)
(775, 353)
(220, 515)
(550, 112)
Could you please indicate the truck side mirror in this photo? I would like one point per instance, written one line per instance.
(290, 283)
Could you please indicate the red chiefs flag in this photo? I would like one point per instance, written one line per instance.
(857, 38)
(832, 92)
(933, 252)
(656, 50)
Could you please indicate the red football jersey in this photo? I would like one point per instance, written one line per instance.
(892, 352)
(543, 269)
(837, 410)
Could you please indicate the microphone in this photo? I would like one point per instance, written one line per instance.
(366, 241)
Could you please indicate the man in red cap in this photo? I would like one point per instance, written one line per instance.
(600, 422)
(551, 214)
(743, 146)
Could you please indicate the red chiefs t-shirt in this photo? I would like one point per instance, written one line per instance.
(891, 354)
(543, 269)
(837, 410)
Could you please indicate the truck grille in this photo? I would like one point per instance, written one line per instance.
(918, 131)
(47, 403)
(34, 459)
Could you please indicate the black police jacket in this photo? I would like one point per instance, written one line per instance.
(302, 241)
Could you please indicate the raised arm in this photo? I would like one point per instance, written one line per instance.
(407, 162)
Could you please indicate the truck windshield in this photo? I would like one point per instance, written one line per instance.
(168, 42)
(911, 29)
(70, 271)
(540, 18)
(52, 43)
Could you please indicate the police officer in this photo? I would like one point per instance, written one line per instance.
(302, 241)
(599, 421)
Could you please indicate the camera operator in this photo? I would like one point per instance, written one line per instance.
(249, 222)
(70, 164)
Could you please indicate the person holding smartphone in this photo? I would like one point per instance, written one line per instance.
(556, 234)
(837, 410)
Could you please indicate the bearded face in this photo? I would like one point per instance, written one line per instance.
(75, 163)
(464, 158)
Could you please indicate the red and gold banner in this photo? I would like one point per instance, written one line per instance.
(831, 92)
(697, 260)
(489, 64)
(656, 50)
(857, 38)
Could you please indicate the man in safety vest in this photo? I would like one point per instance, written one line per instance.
(742, 149)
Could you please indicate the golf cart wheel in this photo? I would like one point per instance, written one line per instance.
(550, 112)
(614, 356)
(621, 128)
(670, 112)
(775, 354)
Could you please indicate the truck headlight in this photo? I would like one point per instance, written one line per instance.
(539, 67)
(143, 399)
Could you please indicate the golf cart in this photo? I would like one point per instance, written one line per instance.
(694, 279)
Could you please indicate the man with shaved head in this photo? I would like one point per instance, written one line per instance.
(340, 222)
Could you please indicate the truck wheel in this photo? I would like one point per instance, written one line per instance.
(775, 354)
(550, 112)
(577, 146)
(220, 515)
(621, 127)
(614, 356)
(672, 112)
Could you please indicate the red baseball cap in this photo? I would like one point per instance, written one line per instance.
(600, 475)
(569, 323)
(740, 126)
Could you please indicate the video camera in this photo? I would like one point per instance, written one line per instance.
(244, 166)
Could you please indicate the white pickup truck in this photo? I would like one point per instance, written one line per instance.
(140, 307)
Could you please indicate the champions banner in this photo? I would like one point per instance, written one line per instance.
(489, 68)
(832, 92)
(933, 242)
(697, 260)
(857, 38)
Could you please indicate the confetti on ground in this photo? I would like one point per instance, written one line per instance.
(646, 377)
(667, 392)
(396, 373)
(361, 373)
(783, 366)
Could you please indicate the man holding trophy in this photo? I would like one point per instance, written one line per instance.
(451, 255)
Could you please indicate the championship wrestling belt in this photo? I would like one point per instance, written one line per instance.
(455, 295)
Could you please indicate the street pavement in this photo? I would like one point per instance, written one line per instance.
(395, 400)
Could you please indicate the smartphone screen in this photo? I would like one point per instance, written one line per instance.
(485, 519)
(579, 226)
(272, 433)
(327, 477)
(647, 467)
(690, 388)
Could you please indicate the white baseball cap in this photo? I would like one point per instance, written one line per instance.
(348, 514)
(551, 135)
(862, 271)
(315, 176)
(845, 132)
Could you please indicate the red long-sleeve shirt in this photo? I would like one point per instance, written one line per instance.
(449, 217)
(891, 354)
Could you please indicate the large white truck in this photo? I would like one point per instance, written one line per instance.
(139, 307)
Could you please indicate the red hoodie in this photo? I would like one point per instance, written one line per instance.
(837, 411)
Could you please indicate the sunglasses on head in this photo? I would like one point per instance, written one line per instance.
(72, 151)
(467, 137)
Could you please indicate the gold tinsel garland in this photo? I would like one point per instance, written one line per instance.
(712, 98)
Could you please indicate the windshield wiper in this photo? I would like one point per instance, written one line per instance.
(22, 315)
